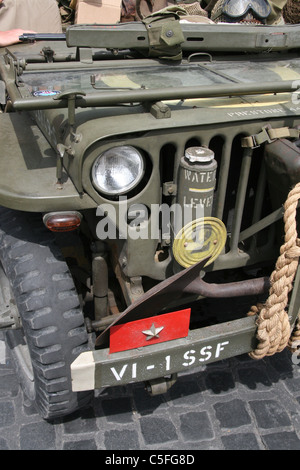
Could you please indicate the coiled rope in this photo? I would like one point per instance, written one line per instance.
(273, 326)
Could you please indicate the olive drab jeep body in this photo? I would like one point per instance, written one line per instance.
(140, 180)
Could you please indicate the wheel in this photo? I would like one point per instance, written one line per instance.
(52, 332)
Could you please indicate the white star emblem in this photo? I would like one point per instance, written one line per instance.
(153, 332)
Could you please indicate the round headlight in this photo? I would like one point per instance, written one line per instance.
(118, 170)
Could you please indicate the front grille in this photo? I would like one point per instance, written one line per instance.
(241, 198)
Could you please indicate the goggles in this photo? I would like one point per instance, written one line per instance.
(238, 8)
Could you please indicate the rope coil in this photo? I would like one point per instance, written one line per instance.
(274, 329)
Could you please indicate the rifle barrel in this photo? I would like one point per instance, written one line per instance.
(31, 37)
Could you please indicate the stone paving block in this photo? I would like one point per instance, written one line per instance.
(157, 430)
(196, 426)
(7, 414)
(282, 441)
(219, 381)
(80, 422)
(121, 440)
(118, 410)
(242, 441)
(145, 403)
(29, 408)
(269, 414)
(185, 392)
(38, 436)
(10, 385)
(281, 363)
(232, 414)
(293, 383)
(3, 444)
(254, 378)
(88, 444)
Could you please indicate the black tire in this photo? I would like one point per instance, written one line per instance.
(53, 333)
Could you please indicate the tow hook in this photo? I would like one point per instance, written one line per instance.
(160, 385)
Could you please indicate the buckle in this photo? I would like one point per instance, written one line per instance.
(255, 141)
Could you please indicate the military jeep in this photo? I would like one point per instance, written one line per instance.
(143, 179)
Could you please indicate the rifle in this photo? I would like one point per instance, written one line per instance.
(32, 37)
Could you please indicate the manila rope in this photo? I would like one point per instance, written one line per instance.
(273, 326)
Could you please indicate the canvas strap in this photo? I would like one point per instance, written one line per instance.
(268, 135)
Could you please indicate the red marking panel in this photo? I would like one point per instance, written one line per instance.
(149, 331)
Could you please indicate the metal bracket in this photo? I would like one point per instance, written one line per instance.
(161, 385)
(271, 40)
(48, 54)
(71, 97)
(61, 149)
(85, 55)
(6, 319)
(169, 188)
(16, 66)
(159, 110)
(136, 286)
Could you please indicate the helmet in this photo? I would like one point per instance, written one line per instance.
(241, 11)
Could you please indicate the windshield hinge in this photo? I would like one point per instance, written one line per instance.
(159, 110)
(16, 66)
(48, 54)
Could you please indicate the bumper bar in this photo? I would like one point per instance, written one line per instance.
(97, 369)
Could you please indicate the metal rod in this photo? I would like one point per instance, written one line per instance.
(263, 223)
(100, 286)
(114, 97)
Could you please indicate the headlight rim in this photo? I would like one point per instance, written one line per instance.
(127, 189)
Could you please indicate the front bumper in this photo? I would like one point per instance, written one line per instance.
(97, 369)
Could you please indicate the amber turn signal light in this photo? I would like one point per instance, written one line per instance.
(62, 221)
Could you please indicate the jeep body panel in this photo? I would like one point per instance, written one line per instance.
(234, 93)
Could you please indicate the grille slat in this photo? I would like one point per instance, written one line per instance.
(259, 198)
(223, 179)
(240, 199)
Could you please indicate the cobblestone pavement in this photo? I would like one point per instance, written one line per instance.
(237, 404)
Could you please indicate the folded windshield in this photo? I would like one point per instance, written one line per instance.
(159, 77)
